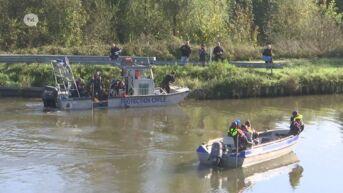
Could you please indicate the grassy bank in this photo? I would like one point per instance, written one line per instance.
(217, 80)
(169, 49)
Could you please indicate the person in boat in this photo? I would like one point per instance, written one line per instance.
(169, 78)
(250, 132)
(296, 125)
(267, 54)
(113, 87)
(79, 89)
(115, 52)
(240, 139)
(97, 86)
(116, 86)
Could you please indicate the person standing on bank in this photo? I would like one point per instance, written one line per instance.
(115, 52)
(202, 54)
(169, 78)
(185, 53)
(218, 53)
(267, 54)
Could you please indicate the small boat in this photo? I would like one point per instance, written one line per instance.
(140, 90)
(221, 151)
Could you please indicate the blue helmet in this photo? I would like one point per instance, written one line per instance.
(295, 113)
(238, 122)
(234, 124)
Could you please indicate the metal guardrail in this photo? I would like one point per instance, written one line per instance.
(76, 59)
(256, 65)
(82, 59)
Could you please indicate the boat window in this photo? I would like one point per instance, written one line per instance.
(143, 89)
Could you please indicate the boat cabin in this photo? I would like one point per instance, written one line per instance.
(139, 79)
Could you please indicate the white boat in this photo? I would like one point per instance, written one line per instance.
(139, 81)
(139, 90)
(272, 144)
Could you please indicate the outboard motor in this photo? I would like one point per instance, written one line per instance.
(216, 154)
(49, 96)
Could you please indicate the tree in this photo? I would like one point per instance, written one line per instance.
(207, 20)
(262, 10)
(290, 18)
(242, 27)
(101, 24)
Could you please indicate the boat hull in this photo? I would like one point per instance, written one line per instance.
(257, 154)
(147, 100)
(65, 103)
(74, 103)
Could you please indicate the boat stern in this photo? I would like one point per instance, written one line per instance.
(203, 155)
(74, 104)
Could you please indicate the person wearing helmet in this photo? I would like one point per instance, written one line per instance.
(297, 125)
(240, 139)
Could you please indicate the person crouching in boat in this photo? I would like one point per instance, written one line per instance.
(169, 78)
(250, 132)
(240, 139)
(297, 125)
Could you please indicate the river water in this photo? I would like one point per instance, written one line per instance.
(153, 149)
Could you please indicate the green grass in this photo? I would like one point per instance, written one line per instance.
(217, 80)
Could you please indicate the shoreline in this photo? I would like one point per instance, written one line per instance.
(206, 94)
(265, 92)
(33, 92)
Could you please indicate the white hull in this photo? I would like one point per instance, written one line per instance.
(64, 103)
(257, 154)
(147, 100)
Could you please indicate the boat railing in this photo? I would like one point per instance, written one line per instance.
(64, 78)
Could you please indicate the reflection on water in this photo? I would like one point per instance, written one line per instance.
(153, 149)
(295, 175)
(240, 179)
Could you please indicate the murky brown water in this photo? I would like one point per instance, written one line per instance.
(153, 149)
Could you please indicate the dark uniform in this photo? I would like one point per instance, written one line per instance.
(115, 52)
(97, 86)
(167, 79)
(202, 55)
(218, 53)
(267, 55)
(185, 53)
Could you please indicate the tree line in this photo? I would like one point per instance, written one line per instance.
(296, 28)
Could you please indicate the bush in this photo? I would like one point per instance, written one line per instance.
(3, 79)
